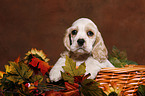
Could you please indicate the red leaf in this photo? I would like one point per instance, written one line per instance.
(81, 78)
(78, 79)
(36, 83)
(53, 93)
(71, 86)
(17, 60)
(72, 93)
(43, 66)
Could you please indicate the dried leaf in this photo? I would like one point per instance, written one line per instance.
(67, 77)
(43, 66)
(71, 71)
(70, 66)
(17, 60)
(80, 70)
(71, 86)
(1, 74)
(72, 93)
(141, 90)
(37, 78)
(8, 69)
(72, 89)
(19, 72)
(90, 88)
(119, 58)
(53, 93)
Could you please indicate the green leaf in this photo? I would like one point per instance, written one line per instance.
(131, 62)
(141, 90)
(19, 72)
(70, 66)
(119, 58)
(67, 77)
(81, 70)
(37, 78)
(122, 55)
(115, 62)
(71, 70)
(15, 79)
(90, 88)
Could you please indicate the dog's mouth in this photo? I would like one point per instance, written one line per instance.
(81, 50)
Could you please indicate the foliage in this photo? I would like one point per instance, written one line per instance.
(113, 90)
(119, 58)
(20, 78)
(75, 75)
(43, 66)
(71, 70)
(141, 90)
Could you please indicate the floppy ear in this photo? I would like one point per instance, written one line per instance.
(99, 51)
(67, 39)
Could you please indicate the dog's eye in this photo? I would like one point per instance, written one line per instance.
(74, 32)
(90, 33)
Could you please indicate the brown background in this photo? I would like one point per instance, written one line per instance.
(41, 24)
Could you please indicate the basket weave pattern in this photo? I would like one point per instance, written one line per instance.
(130, 77)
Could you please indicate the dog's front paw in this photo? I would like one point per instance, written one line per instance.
(55, 75)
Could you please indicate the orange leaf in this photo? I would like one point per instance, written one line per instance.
(36, 83)
(43, 66)
(53, 93)
(71, 86)
(72, 93)
(17, 60)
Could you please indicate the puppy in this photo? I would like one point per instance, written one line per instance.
(84, 43)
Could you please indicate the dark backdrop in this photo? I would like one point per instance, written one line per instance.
(41, 24)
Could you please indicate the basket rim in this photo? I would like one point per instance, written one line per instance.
(124, 69)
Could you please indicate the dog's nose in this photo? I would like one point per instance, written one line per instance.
(80, 42)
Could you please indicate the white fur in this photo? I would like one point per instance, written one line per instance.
(93, 45)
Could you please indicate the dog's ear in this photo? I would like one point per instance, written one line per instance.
(99, 51)
(67, 39)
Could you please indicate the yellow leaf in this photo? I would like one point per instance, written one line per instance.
(80, 70)
(13, 78)
(8, 69)
(20, 72)
(70, 67)
(67, 77)
(1, 74)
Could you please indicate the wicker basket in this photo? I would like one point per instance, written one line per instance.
(130, 77)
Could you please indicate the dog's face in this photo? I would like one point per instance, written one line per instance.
(83, 37)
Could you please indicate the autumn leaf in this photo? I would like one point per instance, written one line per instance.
(36, 53)
(141, 90)
(53, 93)
(38, 78)
(70, 67)
(18, 72)
(8, 69)
(70, 70)
(119, 58)
(67, 77)
(43, 66)
(71, 86)
(72, 89)
(17, 60)
(80, 79)
(1, 74)
(90, 88)
(72, 93)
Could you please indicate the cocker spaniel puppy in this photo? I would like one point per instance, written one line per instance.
(84, 43)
